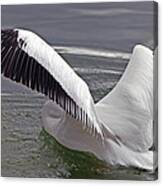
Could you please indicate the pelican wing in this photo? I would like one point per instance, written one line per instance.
(128, 109)
(26, 58)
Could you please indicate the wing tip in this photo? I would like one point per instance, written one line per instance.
(142, 49)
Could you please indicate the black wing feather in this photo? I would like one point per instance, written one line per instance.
(19, 66)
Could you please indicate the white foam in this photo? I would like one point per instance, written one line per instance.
(96, 71)
(92, 52)
(110, 12)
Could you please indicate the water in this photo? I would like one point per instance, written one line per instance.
(96, 41)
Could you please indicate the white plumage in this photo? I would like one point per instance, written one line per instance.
(118, 129)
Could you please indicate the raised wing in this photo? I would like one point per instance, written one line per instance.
(26, 58)
(128, 109)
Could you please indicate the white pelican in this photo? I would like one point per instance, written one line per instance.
(118, 129)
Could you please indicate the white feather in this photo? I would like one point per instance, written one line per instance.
(126, 111)
(128, 108)
(74, 86)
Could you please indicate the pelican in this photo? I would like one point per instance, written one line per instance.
(118, 129)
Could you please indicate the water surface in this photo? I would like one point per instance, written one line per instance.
(96, 40)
